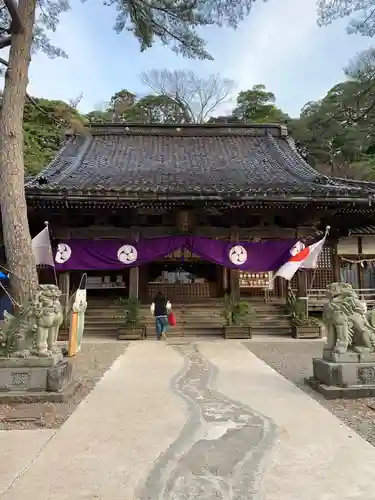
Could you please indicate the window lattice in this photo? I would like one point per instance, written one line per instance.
(320, 277)
(325, 260)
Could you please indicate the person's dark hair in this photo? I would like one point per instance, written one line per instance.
(159, 297)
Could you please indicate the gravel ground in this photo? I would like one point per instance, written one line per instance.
(89, 366)
(294, 362)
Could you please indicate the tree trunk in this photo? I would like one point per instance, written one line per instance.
(16, 232)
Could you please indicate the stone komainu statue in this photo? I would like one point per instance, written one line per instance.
(34, 329)
(349, 326)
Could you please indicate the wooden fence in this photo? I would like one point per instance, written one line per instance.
(317, 298)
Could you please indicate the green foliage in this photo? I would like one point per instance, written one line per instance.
(99, 116)
(156, 109)
(361, 13)
(131, 316)
(255, 105)
(237, 312)
(17, 333)
(296, 307)
(258, 106)
(47, 19)
(337, 133)
(45, 123)
(8, 340)
(125, 107)
(120, 103)
(224, 119)
(177, 23)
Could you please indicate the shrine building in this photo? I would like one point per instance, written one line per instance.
(123, 184)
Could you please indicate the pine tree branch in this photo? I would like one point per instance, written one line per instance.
(16, 26)
(5, 41)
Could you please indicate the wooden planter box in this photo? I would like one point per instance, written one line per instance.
(131, 333)
(306, 332)
(237, 332)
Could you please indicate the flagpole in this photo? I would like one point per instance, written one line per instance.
(314, 273)
(46, 223)
(53, 265)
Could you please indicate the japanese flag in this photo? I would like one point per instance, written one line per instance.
(302, 257)
(42, 250)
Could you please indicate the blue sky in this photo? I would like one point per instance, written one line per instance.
(279, 45)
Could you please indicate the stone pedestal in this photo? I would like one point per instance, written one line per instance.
(348, 375)
(35, 379)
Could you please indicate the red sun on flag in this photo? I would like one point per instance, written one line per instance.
(299, 252)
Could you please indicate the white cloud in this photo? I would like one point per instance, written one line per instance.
(276, 32)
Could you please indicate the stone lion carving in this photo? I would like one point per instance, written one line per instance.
(48, 315)
(348, 325)
(34, 329)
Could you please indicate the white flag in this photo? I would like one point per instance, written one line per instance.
(311, 261)
(42, 249)
(302, 257)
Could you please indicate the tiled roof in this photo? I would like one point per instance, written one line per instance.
(362, 231)
(225, 160)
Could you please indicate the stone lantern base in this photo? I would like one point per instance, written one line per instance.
(349, 375)
(35, 379)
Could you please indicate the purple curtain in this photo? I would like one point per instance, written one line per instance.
(79, 255)
(262, 256)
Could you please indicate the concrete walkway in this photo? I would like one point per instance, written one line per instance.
(181, 422)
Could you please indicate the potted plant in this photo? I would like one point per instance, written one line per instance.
(238, 315)
(131, 328)
(303, 325)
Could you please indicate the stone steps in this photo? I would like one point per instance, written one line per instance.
(193, 319)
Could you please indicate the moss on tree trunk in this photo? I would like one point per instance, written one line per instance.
(16, 232)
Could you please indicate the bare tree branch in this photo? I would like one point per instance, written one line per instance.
(197, 96)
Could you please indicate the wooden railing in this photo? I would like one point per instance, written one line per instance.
(317, 298)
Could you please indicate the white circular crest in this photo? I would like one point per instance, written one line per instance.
(127, 254)
(238, 255)
(63, 254)
(297, 248)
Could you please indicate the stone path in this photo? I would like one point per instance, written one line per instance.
(176, 422)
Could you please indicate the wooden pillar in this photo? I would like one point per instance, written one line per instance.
(64, 278)
(64, 285)
(335, 262)
(143, 284)
(134, 274)
(134, 282)
(224, 279)
(184, 221)
(234, 277)
(361, 278)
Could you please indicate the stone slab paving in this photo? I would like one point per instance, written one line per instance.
(18, 449)
(315, 455)
(207, 420)
(110, 443)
